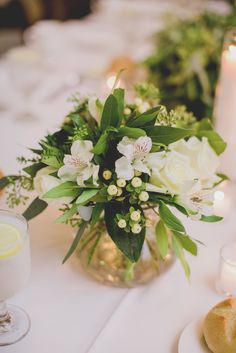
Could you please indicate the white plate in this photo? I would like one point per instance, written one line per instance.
(191, 339)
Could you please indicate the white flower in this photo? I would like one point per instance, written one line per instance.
(136, 182)
(95, 107)
(136, 157)
(176, 171)
(121, 183)
(197, 202)
(203, 159)
(43, 182)
(78, 166)
(184, 162)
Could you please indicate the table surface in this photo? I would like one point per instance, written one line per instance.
(71, 313)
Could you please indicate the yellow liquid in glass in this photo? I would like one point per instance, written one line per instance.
(10, 240)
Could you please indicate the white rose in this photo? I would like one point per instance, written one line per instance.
(175, 172)
(203, 159)
(43, 182)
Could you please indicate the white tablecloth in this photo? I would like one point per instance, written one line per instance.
(72, 314)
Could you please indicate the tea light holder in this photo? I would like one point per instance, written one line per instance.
(226, 283)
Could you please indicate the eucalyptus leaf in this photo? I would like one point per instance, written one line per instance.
(167, 134)
(67, 189)
(170, 220)
(162, 238)
(75, 243)
(34, 209)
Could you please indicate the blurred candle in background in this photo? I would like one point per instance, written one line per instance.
(225, 107)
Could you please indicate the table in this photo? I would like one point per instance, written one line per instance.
(69, 312)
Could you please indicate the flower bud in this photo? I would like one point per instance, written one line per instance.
(112, 190)
(119, 191)
(136, 229)
(127, 111)
(122, 223)
(137, 173)
(138, 101)
(136, 182)
(107, 174)
(121, 183)
(135, 216)
(143, 196)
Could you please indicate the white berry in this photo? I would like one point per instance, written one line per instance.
(143, 196)
(136, 229)
(136, 182)
(112, 190)
(122, 223)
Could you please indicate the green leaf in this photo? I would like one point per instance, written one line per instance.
(215, 140)
(147, 118)
(110, 114)
(101, 145)
(131, 132)
(162, 238)
(52, 161)
(34, 168)
(170, 220)
(130, 244)
(34, 209)
(86, 196)
(93, 248)
(167, 134)
(212, 218)
(187, 243)
(178, 250)
(75, 241)
(69, 188)
(67, 215)
(97, 210)
(204, 124)
(119, 94)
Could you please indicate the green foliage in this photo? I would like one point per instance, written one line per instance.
(134, 133)
(110, 114)
(178, 250)
(76, 241)
(86, 195)
(67, 189)
(169, 219)
(167, 134)
(34, 209)
(67, 215)
(211, 219)
(185, 63)
(130, 244)
(162, 239)
(147, 118)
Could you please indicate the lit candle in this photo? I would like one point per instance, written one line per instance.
(225, 109)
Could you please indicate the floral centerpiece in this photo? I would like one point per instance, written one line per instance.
(186, 59)
(110, 162)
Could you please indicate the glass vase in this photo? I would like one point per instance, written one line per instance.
(109, 266)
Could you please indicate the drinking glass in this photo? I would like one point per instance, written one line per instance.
(226, 283)
(14, 275)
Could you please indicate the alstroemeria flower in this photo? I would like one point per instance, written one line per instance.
(136, 157)
(197, 201)
(78, 166)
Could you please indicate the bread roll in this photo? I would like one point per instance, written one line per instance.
(219, 327)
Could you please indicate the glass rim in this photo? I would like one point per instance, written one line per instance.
(227, 261)
(14, 214)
